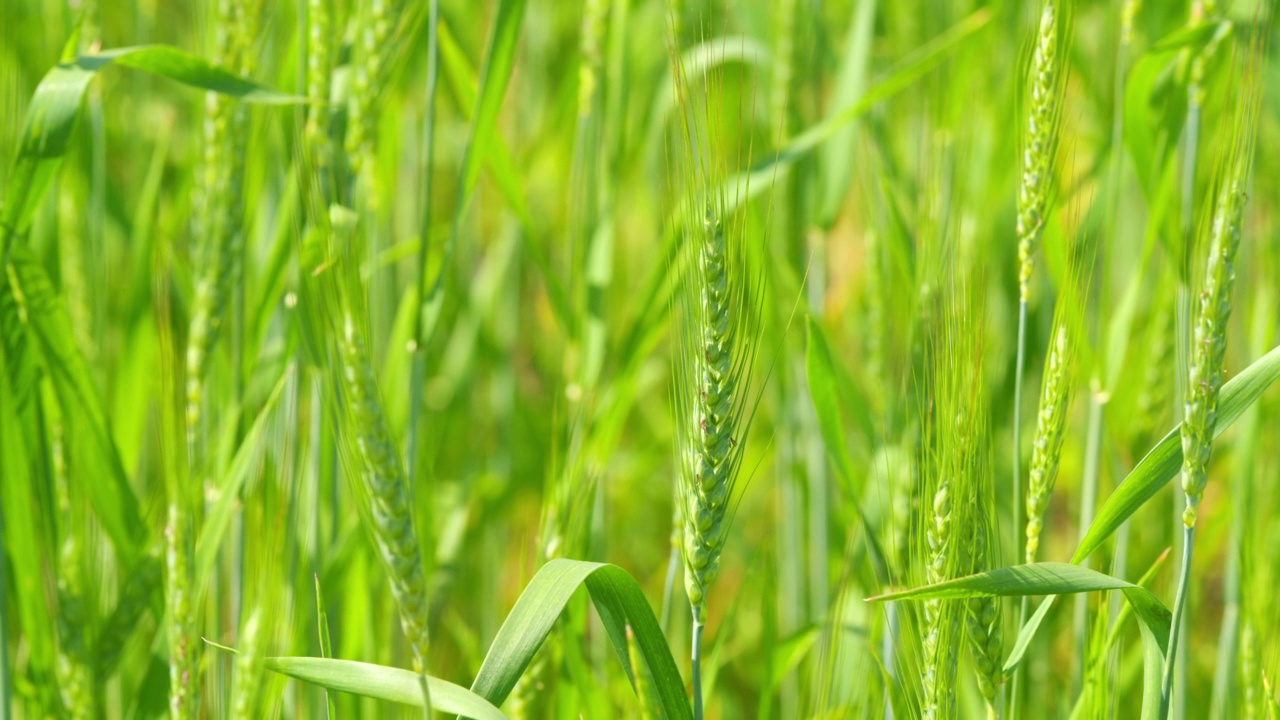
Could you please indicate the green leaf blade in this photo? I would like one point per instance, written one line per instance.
(384, 683)
(1164, 461)
(619, 600)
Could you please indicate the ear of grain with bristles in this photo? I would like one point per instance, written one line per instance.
(219, 202)
(717, 310)
(953, 437)
(1209, 342)
(248, 667)
(372, 34)
(382, 479)
(1046, 84)
(1051, 424)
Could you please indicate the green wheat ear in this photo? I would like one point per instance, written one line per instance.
(1209, 343)
(953, 470)
(1046, 81)
(717, 308)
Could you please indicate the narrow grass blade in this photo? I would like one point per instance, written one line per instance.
(110, 494)
(1045, 579)
(56, 105)
(18, 503)
(219, 519)
(499, 62)
(851, 82)
(828, 387)
(821, 370)
(326, 646)
(1028, 633)
(384, 683)
(1164, 461)
(618, 600)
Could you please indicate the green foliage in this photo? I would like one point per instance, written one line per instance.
(327, 327)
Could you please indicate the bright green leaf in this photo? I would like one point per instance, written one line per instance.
(1164, 461)
(384, 683)
(618, 600)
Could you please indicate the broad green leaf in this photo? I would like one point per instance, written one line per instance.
(1153, 654)
(384, 683)
(1045, 579)
(46, 318)
(1164, 461)
(618, 600)
(56, 105)
(1028, 631)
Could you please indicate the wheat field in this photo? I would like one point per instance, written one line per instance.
(639, 358)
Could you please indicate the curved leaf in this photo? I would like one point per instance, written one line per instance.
(56, 105)
(1162, 463)
(620, 603)
(384, 683)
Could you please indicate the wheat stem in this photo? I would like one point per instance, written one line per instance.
(1179, 607)
(696, 655)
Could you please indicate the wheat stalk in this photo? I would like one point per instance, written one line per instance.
(382, 478)
(1041, 143)
(953, 478)
(711, 376)
(1051, 423)
(1209, 343)
(219, 204)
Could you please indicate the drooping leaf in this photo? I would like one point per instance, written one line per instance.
(1028, 633)
(20, 541)
(56, 105)
(618, 600)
